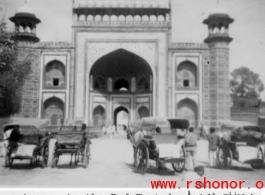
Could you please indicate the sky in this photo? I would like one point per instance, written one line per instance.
(248, 30)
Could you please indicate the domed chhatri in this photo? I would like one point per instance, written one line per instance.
(219, 10)
(138, 4)
(90, 3)
(130, 4)
(161, 4)
(146, 4)
(122, 4)
(98, 3)
(114, 4)
(25, 9)
(154, 4)
(106, 3)
(82, 3)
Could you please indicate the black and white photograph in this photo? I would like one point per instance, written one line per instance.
(127, 94)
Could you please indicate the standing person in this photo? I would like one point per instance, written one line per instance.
(104, 130)
(191, 149)
(213, 139)
(83, 127)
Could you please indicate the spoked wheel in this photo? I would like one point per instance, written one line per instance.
(224, 157)
(55, 160)
(45, 156)
(258, 164)
(142, 158)
(180, 165)
(86, 154)
(8, 160)
(77, 158)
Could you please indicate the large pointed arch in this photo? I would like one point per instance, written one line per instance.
(120, 63)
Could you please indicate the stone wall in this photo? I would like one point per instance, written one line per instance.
(245, 114)
(30, 97)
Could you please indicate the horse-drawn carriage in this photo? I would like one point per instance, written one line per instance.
(156, 139)
(27, 139)
(74, 143)
(243, 142)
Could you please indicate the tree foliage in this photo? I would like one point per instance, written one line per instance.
(13, 73)
(245, 84)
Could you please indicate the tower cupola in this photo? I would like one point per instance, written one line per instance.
(218, 25)
(25, 22)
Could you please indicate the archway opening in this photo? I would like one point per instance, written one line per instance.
(53, 109)
(143, 112)
(99, 116)
(188, 109)
(121, 85)
(121, 116)
(122, 66)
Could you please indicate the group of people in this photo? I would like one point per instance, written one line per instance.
(191, 146)
(112, 129)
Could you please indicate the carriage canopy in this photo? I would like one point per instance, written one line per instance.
(164, 123)
(28, 126)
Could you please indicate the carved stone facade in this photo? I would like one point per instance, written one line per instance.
(126, 63)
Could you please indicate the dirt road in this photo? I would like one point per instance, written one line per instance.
(111, 167)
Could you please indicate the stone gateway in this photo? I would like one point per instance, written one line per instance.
(122, 66)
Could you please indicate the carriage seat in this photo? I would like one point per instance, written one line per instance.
(169, 150)
(23, 150)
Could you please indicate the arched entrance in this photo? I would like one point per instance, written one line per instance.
(188, 109)
(127, 78)
(98, 116)
(53, 109)
(121, 116)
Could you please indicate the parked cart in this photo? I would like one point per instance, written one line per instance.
(27, 139)
(243, 142)
(77, 144)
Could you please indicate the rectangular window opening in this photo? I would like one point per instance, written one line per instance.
(186, 83)
(55, 82)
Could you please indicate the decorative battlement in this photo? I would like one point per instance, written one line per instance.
(123, 4)
(122, 11)
(47, 45)
(123, 24)
(188, 46)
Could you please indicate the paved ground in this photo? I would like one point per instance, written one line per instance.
(111, 167)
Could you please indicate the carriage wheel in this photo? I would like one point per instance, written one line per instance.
(180, 165)
(86, 155)
(8, 160)
(224, 157)
(258, 165)
(77, 158)
(45, 156)
(142, 158)
(55, 160)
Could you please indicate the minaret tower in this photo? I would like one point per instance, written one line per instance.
(218, 41)
(25, 22)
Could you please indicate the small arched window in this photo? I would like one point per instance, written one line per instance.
(143, 85)
(99, 84)
(122, 85)
(55, 74)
